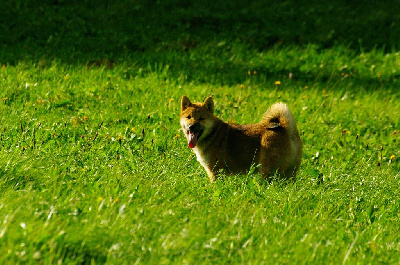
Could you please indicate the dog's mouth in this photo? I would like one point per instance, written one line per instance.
(193, 137)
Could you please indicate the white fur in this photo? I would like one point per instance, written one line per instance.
(203, 159)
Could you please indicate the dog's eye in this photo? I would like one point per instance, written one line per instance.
(201, 118)
(189, 117)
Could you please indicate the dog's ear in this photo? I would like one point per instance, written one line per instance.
(185, 103)
(209, 104)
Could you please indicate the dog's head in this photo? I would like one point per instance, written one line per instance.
(197, 119)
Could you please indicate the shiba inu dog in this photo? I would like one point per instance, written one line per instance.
(273, 144)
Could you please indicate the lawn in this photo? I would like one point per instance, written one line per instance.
(94, 168)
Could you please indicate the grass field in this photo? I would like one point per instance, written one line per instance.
(94, 168)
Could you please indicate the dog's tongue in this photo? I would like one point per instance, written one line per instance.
(192, 139)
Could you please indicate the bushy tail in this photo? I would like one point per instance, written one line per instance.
(279, 116)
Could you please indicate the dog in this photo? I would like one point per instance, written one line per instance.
(272, 146)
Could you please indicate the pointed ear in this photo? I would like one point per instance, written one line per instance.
(209, 104)
(185, 103)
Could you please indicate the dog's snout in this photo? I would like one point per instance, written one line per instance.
(194, 127)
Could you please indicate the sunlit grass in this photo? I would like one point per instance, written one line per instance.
(94, 169)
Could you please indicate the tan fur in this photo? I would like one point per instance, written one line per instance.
(273, 143)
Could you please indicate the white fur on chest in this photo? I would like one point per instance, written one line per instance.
(203, 159)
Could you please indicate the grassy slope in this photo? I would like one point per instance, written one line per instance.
(93, 166)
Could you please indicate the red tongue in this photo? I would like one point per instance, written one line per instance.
(192, 140)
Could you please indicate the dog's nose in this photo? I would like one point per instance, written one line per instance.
(194, 127)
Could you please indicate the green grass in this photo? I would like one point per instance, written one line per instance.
(94, 168)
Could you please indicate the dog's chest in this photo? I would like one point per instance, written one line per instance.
(202, 158)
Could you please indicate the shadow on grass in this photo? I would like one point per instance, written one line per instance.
(101, 32)
(61, 29)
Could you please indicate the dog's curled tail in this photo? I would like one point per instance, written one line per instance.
(279, 116)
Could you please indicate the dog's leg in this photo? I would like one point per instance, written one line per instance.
(210, 174)
(211, 177)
